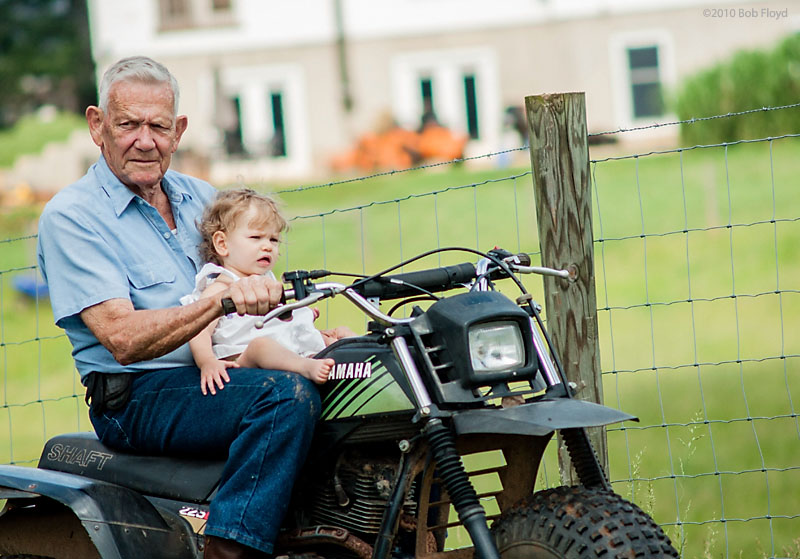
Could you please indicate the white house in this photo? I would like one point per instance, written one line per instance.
(273, 88)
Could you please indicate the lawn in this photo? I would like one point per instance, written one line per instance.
(697, 278)
(32, 132)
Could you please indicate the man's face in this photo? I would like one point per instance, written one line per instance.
(139, 132)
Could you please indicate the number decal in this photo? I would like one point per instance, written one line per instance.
(194, 513)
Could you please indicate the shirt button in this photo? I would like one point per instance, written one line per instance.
(166, 235)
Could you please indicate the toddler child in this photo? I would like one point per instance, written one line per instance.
(241, 230)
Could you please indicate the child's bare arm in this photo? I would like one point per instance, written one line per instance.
(213, 371)
(335, 334)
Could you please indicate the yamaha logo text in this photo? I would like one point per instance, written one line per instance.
(351, 370)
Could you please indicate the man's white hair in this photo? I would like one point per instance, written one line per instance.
(140, 69)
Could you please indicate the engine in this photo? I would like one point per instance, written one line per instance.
(344, 506)
(355, 496)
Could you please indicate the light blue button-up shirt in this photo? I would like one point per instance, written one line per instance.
(100, 241)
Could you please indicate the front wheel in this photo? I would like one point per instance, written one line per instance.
(576, 523)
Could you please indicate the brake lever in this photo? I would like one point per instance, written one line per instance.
(570, 273)
(290, 307)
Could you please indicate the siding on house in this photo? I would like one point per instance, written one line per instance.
(277, 65)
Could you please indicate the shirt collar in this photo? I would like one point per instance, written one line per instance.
(121, 196)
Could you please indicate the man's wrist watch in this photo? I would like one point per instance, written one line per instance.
(227, 306)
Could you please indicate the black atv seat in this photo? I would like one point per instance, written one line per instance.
(184, 479)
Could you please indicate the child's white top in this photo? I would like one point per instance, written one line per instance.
(234, 332)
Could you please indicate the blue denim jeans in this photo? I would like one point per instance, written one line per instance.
(263, 421)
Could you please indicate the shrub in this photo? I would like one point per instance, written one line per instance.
(750, 79)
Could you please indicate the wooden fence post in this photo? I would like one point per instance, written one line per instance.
(560, 168)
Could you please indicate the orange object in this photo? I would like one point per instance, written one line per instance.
(395, 147)
(437, 143)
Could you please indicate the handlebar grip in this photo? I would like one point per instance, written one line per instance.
(227, 306)
(398, 286)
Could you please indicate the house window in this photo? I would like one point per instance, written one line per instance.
(175, 13)
(190, 14)
(271, 120)
(471, 103)
(277, 146)
(460, 87)
(645, 81)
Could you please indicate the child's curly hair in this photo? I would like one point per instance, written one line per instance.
(221, 215)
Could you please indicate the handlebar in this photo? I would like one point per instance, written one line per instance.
(405, 285)
(398, 286)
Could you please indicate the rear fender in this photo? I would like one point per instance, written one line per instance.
(120, 523)
(537, 418)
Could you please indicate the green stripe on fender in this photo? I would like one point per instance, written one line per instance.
(377, 394)
(388, 398)
(343, 388)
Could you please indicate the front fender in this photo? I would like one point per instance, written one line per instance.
(537, 418)
(120, 523)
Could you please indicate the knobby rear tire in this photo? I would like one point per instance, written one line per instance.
(578, 523)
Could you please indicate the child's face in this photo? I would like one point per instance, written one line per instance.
(248, 249)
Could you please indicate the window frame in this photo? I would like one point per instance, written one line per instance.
(447, 70)
(256, 87)
(622, 82)
(199, 14)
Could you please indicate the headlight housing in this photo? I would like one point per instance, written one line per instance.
(496, 347)
(475, 340)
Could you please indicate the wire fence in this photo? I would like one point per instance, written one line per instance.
(716, 291)
(697, 256)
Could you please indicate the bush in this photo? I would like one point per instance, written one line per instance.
(751, 79)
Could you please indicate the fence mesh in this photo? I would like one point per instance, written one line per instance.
(697, 254)
(705, 322)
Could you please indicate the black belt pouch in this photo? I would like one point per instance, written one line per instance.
(108, 391)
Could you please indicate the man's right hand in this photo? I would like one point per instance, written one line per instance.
(254, 295)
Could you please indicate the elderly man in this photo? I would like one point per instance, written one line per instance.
(118, 249)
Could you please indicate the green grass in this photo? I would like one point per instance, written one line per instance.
(31, 133)
(697, 276)
(705, 341)
(39, 385)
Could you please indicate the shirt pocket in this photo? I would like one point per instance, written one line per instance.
(142, 276)
(153, 285)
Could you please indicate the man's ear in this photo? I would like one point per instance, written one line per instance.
(94, 117)
(180, 127)
(220, 242)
